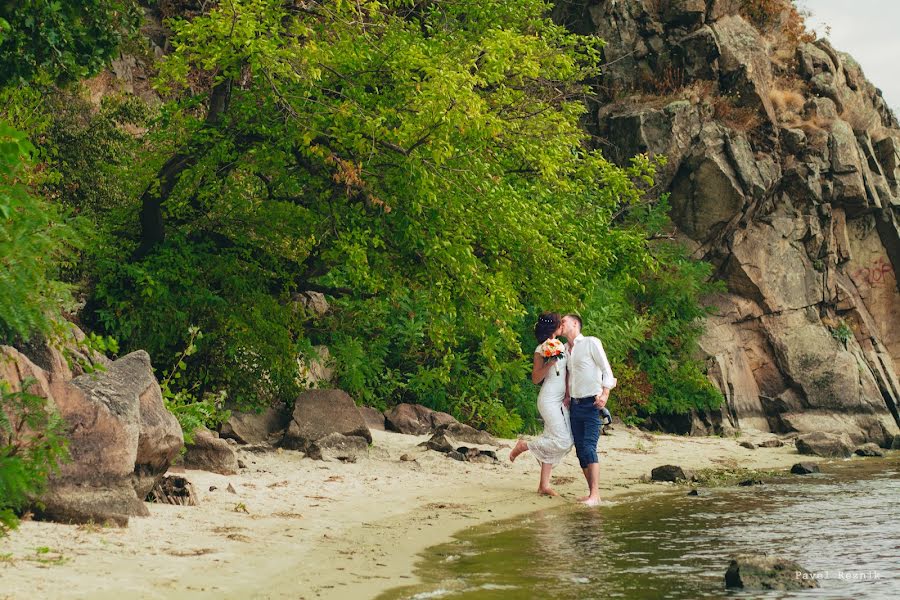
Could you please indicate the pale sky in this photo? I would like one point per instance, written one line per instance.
(869, 30)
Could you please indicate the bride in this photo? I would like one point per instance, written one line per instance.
(556, 440)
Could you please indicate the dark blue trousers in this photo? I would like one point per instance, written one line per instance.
(585, 419)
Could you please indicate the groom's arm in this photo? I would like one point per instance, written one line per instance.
(607, 380)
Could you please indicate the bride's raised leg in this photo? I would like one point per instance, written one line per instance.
(520, 447)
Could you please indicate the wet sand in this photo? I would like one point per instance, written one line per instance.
(299, 528)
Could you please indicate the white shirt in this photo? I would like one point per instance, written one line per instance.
(589, 370)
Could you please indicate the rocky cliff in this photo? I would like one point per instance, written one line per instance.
(784, 171)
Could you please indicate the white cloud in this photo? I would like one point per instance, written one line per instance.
(867, 30)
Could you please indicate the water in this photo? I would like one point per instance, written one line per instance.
(843, 525)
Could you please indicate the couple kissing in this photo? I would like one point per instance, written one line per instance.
(575, 380)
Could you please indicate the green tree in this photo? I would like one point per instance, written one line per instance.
(420, 163)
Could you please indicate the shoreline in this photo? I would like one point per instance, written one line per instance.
(298, 528)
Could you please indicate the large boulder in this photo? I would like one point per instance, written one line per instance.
(210, 453)
(755, 572)
(318, 413)
(159, 442)
(255, 427)
(415, 419)
(820, 443)
(121, 439)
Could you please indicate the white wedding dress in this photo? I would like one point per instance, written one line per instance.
(556, 440)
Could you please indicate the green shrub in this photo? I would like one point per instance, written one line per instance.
(32, 443)
(192, 410)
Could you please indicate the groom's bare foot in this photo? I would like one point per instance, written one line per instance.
(583, 498)
(520, 447)
(591, 501)
(547, 492)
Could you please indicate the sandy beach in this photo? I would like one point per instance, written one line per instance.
(299, 528)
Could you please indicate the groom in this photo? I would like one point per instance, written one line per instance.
(589, 381)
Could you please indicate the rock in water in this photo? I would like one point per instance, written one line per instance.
(805, 468)
(748, 445)
(750, 571)
(671, 473)
(869, 449)
(210, 453)
(318, 413)
(829, 445)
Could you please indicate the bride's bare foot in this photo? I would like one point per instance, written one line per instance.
(583, 498)
(547, 492)
(591, 501)
(520, 447)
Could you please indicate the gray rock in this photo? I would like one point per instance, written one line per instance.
(439, 443)
(318, 413)
(255, 427)
(820, 443)
(415, 419)
(671, 473)
(373, 417)
(707, 192)
(773, 443)
(748, 445)
(869, 449)
(746, 68)
(464, 433)
(335, 446)
(805, 468)
(699, 54)
(895, 444)
(683, 12)
(751, 571)
(210, 453)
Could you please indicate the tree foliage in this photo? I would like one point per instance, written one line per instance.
(32, 237)
(422, 164)
(63, 41)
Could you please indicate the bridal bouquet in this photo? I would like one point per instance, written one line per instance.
(551, 349)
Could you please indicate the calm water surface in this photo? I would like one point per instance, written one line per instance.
(843, 524)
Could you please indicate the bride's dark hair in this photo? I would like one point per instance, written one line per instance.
(545, 326)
